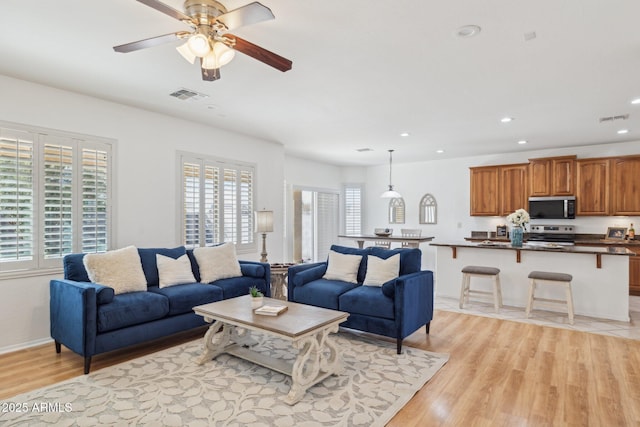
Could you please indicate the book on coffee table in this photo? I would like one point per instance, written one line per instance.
(271, 310)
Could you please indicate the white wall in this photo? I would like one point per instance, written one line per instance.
(145, 187)
(448, 181)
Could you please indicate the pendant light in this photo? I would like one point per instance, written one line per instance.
(390, 193)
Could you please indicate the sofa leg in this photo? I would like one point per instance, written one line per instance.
(399, 345)
(87, 364)
(427, 327)
(58, 347)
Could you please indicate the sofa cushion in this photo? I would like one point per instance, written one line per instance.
(150, 265)
(238, 286)
(173, 272)
(309, 275)
(131, 309)
(217, 262)
(368, 301)
(355, 251)
(381, 270)
(182, 298)
(410, 258)
(343, 267)
(74, 268)
(252, 269)
(322, 293)
(120, 269)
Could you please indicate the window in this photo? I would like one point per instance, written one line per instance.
(315, 225)
(352, 194)
(217, 201)
(55, 196)
(396, 211)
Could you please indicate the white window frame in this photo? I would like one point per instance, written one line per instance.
(38, 264)
(244, 226)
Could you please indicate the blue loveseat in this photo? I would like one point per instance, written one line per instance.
(396, 309)
(89, 318)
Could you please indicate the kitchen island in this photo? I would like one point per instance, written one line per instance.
(600, 275)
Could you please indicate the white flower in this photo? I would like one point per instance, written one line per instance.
(519, 217)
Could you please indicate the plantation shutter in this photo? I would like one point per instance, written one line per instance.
(190, 203)
(246, 207)
(212, 205)
(17, 215)
(326, 223)
(57, 176)
(95, 200)
(353, 209)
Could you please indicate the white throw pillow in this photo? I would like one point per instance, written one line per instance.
(120, 269)
(343, 267)
(217, 262)
(174, 271)
(380, 271)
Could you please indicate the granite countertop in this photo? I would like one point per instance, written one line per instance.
(581, 239)
(504, 244)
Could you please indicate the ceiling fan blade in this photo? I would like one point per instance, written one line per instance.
(209, 75)
(261, 54)
(150, 42)
(167, 10)
(251, 13)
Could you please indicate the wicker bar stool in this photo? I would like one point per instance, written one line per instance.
(546, 277)
(483, 272)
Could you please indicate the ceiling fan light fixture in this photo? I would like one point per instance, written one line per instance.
(186, 52)
(199, 45)
(224, 53)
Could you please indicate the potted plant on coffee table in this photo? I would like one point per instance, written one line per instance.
(257, 297)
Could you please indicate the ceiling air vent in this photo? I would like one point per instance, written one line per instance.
(188, 95)
(614, 118)
(363, 150)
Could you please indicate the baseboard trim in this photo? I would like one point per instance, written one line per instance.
(24, 346)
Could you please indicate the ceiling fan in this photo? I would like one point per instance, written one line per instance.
(209, 40)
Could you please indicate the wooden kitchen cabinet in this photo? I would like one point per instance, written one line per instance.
(552, 176)
(634, 271)
(625, 188)
(498, 190)
(593, 186)
(513, 187)
(484, 191)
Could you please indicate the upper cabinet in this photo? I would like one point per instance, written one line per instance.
(498, 190)
(552, 176)
(593, 186)
(484, 191)
(625, 183)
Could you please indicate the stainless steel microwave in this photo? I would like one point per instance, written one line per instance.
(552, 207)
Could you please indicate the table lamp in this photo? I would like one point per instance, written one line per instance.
(264, 225)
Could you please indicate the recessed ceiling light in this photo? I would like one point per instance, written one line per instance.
(522, 141)
(439, 151)
(623, 131)
(405, 134)
(506, 119)
(635, 101)
(468, 31)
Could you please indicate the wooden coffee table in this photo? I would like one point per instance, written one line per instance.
(308, 328)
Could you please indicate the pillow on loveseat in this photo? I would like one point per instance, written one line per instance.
(120, 269)
(380, 271)
(217, 262)
(342, 267)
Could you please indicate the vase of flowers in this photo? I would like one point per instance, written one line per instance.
(519, 219)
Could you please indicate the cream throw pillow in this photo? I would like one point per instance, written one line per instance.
(120, 269)
(217, 262)
(380, 271)
(343, 267)
(174, 271)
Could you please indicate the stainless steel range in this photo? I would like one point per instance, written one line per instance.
(545, 235)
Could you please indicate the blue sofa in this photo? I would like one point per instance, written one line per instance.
(89, 319)
(396, 309)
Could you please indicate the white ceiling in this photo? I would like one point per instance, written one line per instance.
(363, 72)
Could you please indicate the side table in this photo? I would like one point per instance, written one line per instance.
(279, 275)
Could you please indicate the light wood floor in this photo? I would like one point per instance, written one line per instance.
(500, 373)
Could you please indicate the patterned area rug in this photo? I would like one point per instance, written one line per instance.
(169, 388)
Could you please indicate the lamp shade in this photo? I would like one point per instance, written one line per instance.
(264, 221)
(391, 194)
